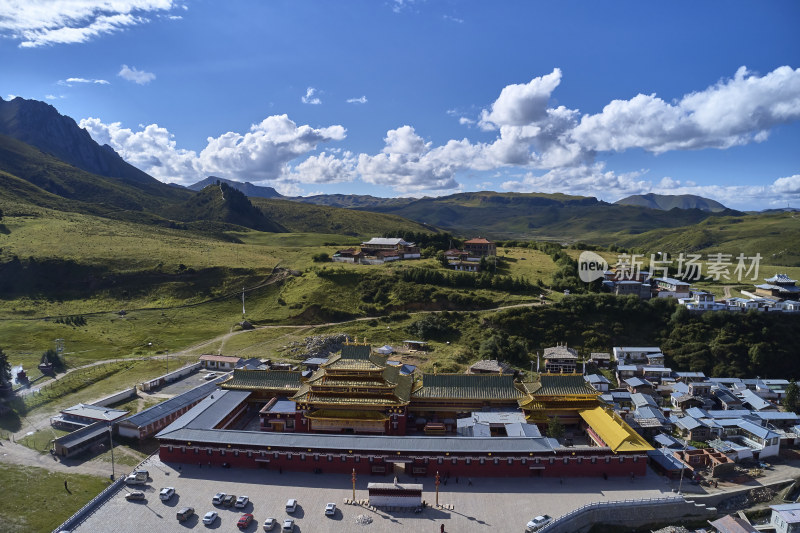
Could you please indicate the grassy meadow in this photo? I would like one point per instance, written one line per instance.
(44, 503)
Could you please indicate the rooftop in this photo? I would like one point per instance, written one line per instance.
(94, 412)
(617, 435)
(468, 387)
(167, 407)
(245, 379)
(560, 385)
(220, 358)
(560, 352)
(382, 241)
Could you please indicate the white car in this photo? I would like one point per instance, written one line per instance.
(288, 525)
(291, 506)
(210, 517)
(269, 524)
(218, 497)
(209, 376)
(330, 509)
(166, 493)
(241, 502)
(537, 523)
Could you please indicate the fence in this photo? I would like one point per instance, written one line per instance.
(83, 513)
(74, 520)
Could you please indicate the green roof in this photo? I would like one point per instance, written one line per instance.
(468, 387)
(560, 385)
(244, 379)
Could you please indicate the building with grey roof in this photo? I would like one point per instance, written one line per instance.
(149, 421)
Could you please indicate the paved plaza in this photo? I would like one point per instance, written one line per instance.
(489, 504)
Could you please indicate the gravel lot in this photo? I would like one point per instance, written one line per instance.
(497, 504)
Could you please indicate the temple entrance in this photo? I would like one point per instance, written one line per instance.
(398, 469)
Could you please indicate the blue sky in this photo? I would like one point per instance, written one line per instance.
(428, 98)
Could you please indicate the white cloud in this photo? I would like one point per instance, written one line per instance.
(520, 105)
(790, 186)
(311, 97)
(139, 77)
(70, 81)
(48, 22)
(324, 168)
(464, 121)
(453, 19)
(262, 153)
(54, 97)
(732, 112)
(153, 150)
(362, 100)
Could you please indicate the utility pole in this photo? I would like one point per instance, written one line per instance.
(242, 303)
(354, 484)
(437, 488)
(111, 442)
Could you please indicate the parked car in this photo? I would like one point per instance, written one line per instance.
(134, 495)
(288, 525)
(135, 480)
(166, 493)
(218, 497)
(210, 375)
(210, 517)
(244, 521)
(185, 513)
(141, 472)
(269, 524)
(229, 500)
(291, 505)
(538, 523)
(241, 502)
(330, 509)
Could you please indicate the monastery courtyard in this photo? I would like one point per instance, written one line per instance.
(489, 504)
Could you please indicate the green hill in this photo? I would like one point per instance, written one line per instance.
(540, 216)
(222, 203)
(776, 236)
(671, 201)
(300, 217)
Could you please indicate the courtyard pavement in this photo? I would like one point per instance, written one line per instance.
(489, 504)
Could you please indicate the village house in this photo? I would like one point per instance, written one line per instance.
(702, 301)
(560, 359)
(480, 247)
(785, 518)
(219, 362)
(601, 359)
(385, 248)
(598, 381)
(671, 288)
(634, 354)
(779, 286)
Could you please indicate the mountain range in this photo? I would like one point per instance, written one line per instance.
(47, 160)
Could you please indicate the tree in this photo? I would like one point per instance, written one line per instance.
(555, 430)
(321, 257)
(50, 356)
(442, 259)
(792, 398)
(5, 368)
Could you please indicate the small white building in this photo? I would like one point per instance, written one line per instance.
(219, 362)
(702, 301)
(785, 517)
(634, 354)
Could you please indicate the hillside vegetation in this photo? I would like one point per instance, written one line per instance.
(776, 236)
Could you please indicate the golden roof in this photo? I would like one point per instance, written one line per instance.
(617, 435)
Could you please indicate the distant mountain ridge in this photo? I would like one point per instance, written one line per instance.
(671, 201)
(41, 125)
(254, 191)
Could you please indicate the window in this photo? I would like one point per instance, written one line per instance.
(208, 451)
(222, 453)
(330, 458)
(621, 459)
(440, 461)
(566, 460)
(497, 461)
(469, 461)
(608, 460)
(552, 461)
(594, 460)
(249, 454)
(169, 448)
(288, 456)
(302, 457)
(483, 461)
(510, 461)
(454, 461)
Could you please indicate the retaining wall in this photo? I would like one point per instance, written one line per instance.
(116, 397)
(629, 513)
